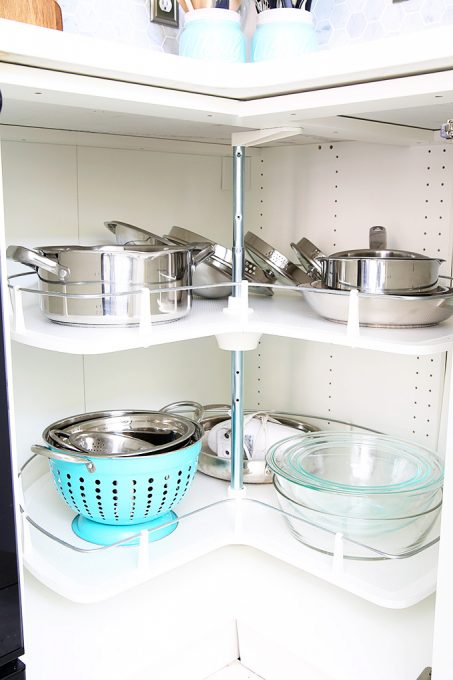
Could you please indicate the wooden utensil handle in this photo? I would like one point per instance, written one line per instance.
(46, 13)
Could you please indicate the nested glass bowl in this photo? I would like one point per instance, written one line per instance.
(356, 474)
(367, 537)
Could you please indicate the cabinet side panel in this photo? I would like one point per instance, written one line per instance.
(150, 378)
(333, 194)
(152, 190)
(398, 395)
(40, 187)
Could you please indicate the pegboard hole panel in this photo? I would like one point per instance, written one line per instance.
(398, 395)
(333, 194)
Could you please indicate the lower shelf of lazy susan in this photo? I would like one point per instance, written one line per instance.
(208, 520)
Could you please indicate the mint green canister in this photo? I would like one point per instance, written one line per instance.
(283, 33)
(213, 34)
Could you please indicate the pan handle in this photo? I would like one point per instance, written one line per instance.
(57, 454)
(201, 255)
(33, 258)
(62, 439)
(308, 255)
(181, 406)
(378, 238)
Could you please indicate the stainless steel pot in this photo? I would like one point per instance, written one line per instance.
(382, 311)
(218, 267)
(377, 271)
(125, 233)
(112, 285)
(254, 471)
(165, 431)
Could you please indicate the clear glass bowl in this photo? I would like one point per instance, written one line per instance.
(355, 463)
(366, 538)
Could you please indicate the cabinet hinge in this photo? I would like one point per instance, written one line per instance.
(446, 131)
(425, 675)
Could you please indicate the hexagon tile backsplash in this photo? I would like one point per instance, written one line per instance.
(124, 21)
(337, 22)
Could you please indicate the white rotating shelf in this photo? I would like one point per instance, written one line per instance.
(285, 315)
(101, 574)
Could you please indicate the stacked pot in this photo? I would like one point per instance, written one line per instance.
(122, 471)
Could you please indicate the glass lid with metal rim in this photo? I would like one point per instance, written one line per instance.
(355, 463)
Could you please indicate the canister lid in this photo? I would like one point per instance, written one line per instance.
(285, 14)
(212, 14)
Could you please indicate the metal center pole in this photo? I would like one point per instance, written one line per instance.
(237, 359)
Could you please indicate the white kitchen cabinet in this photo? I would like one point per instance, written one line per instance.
(96, 134)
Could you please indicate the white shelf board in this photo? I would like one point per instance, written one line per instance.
(205, 319)
(290, 316)
(285, 315)
(97, 576)
(72, 82)
(402, 55)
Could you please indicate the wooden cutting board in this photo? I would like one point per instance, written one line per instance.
(45, 13)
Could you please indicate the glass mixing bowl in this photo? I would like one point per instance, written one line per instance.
(358, 475)
(366, 537)
(355, 462)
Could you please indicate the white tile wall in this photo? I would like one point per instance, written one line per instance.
(339, 22)
(124, 21)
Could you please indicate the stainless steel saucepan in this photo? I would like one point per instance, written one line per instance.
(112, 285)
(378, 270)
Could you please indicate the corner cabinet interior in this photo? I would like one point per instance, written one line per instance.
(231, 581)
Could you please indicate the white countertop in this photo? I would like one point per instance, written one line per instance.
(415, 53)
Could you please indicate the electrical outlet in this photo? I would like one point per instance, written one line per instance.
(165, 12)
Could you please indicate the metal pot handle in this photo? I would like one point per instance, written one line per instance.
(177, 406)
(202, 254)
(57, 454)
(141, 235)
(308, 254)
(378, 238)
(33, 258)
(216, 407)
(62, 439)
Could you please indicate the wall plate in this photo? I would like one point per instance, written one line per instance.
(165, 12)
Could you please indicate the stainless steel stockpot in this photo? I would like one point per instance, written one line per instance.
(112, 285)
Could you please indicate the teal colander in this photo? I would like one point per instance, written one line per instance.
(117, 497)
